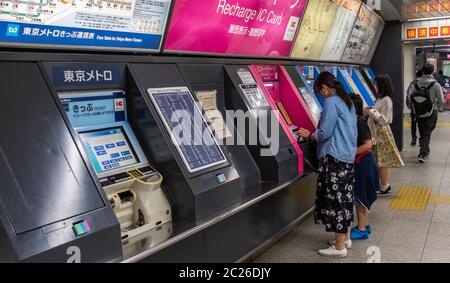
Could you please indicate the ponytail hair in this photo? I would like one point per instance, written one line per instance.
(328, 79)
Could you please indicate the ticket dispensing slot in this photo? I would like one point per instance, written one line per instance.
(132, 186)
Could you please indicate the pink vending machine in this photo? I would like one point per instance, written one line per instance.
(285, 99)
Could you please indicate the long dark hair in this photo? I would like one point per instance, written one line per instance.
(328, 79)
(358, 102)
(384, 86)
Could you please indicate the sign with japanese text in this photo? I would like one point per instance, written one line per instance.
(87, 75)
(433, 31)
(364, 37)
(246, 27)
(100, 107)
(411, 33)
(325, 29)
(420, 30)
(445, 31)
(103, 24)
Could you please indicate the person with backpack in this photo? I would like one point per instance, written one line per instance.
(441, 78)
(409, 94)
(427, 99)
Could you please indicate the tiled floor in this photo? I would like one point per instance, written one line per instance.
(401, 236)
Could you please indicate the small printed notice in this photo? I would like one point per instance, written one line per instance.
(254, 95)
(208, 101)
(246, 77)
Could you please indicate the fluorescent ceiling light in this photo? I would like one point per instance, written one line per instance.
(427, 19)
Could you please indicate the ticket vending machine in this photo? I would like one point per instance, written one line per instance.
(308, 75)
(369, 76)
(132, 186)
(278, 158)
(350, 86)
(97, 111)
(207, 82)
(200, 174)
(52, 209)
(369, 73)
(285, 97)
(364, 89)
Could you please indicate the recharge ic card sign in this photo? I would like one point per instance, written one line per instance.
(260, 28)
(94, 24)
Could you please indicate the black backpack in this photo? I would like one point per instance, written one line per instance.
(421, 100)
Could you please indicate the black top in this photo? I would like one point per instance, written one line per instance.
(363, 131)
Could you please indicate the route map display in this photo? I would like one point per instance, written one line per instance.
(187, 127)
(317, 23)
(118, 24)
(341, 30)
(364, 37)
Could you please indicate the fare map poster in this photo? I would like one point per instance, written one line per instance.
(317, 23)
(342, 28)
(257, 28)
(365, 34)
(95, 24)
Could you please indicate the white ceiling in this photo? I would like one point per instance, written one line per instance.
(414, 9)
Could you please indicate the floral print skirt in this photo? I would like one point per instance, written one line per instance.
(334, 197)
(388, 154)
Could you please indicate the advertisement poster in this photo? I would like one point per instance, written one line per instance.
(317, 23)
(234, 27)
(367, 30)
(95, 24)
(341, 30)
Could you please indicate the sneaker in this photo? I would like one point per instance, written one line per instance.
(348, 243)
(387, 191)
(368, 229)
(357, 234)
(413, 143)
(422, 159)
(333, 252)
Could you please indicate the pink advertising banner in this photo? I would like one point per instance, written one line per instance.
(257, 28)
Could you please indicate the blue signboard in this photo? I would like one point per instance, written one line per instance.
(81, 75)
(125, 25)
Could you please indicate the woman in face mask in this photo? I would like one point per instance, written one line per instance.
(336, 138)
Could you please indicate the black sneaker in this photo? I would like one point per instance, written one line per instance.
(422, 159)
(387, 191)
(413, 143)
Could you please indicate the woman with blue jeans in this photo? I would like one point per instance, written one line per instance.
(336, 138)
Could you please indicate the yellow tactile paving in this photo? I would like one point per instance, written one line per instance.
(408, 124)
(411, 198)
(439, 199)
